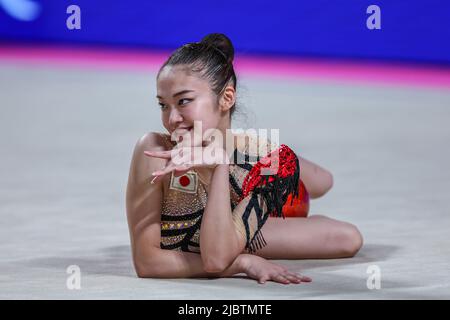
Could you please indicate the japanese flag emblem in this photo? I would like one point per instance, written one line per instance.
(185, 183)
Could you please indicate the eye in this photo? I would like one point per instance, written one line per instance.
(162, 105)
(188, 100)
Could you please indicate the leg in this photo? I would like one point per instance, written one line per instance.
(317, 180)
(315, 237)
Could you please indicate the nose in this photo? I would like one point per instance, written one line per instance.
(175, 118)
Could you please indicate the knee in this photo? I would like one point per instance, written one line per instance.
(329, 182)
(321, 186)
(348, 239)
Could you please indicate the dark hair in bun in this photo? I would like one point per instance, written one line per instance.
(212, 58)
(221, 43)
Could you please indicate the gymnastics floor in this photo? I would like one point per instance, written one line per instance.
(67, 134)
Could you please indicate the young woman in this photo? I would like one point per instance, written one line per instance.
(191, 217)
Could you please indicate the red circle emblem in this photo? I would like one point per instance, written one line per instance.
(185, 181)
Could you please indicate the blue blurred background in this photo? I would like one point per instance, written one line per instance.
(415, 31)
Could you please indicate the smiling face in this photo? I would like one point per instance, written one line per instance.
(184, 97)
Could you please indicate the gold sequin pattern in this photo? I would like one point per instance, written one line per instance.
(177, 203)
(173, 239)
(180, 204)
(196, 236)
(177, 224)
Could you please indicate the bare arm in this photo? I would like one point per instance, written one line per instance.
(174, 264)
(317, 180)
(143, 202)
(220, 242)
(177, 264)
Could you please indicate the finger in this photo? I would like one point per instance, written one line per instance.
(189, 140)
(158, 154)
(163, 172)
(176, 165)
(181, 170)
(169, 168)
(154, 180)
(263, 279)
(287, 272)
(293, 278)
(157, 178)
(303, 278)
(185, 139)
(182, 156)
(280, 278)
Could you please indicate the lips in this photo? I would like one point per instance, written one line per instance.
(183, 129)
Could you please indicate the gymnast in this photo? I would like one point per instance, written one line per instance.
(198, 208)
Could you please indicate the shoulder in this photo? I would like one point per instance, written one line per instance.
(153, 140)
(142, 165)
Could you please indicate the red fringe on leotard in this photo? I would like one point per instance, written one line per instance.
(275, 188)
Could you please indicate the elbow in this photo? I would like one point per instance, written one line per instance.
(215, 264)
(214, 268)
(148, 272)
(141, 274)
(145, 269)
(141, 271)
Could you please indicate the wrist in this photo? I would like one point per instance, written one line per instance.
(221, 157)
(221, 166)
(243, 262)
(220, 170)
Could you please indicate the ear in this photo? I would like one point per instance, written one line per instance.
(227, 99)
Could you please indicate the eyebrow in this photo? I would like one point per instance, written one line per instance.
(178, 93)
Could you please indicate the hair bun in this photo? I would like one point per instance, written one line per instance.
(221, 42)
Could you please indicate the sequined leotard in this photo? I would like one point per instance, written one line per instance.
(261, 195)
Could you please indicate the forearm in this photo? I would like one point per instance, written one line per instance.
(178, 264)
(218, 237)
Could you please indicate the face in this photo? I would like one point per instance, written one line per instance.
(184, 97)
